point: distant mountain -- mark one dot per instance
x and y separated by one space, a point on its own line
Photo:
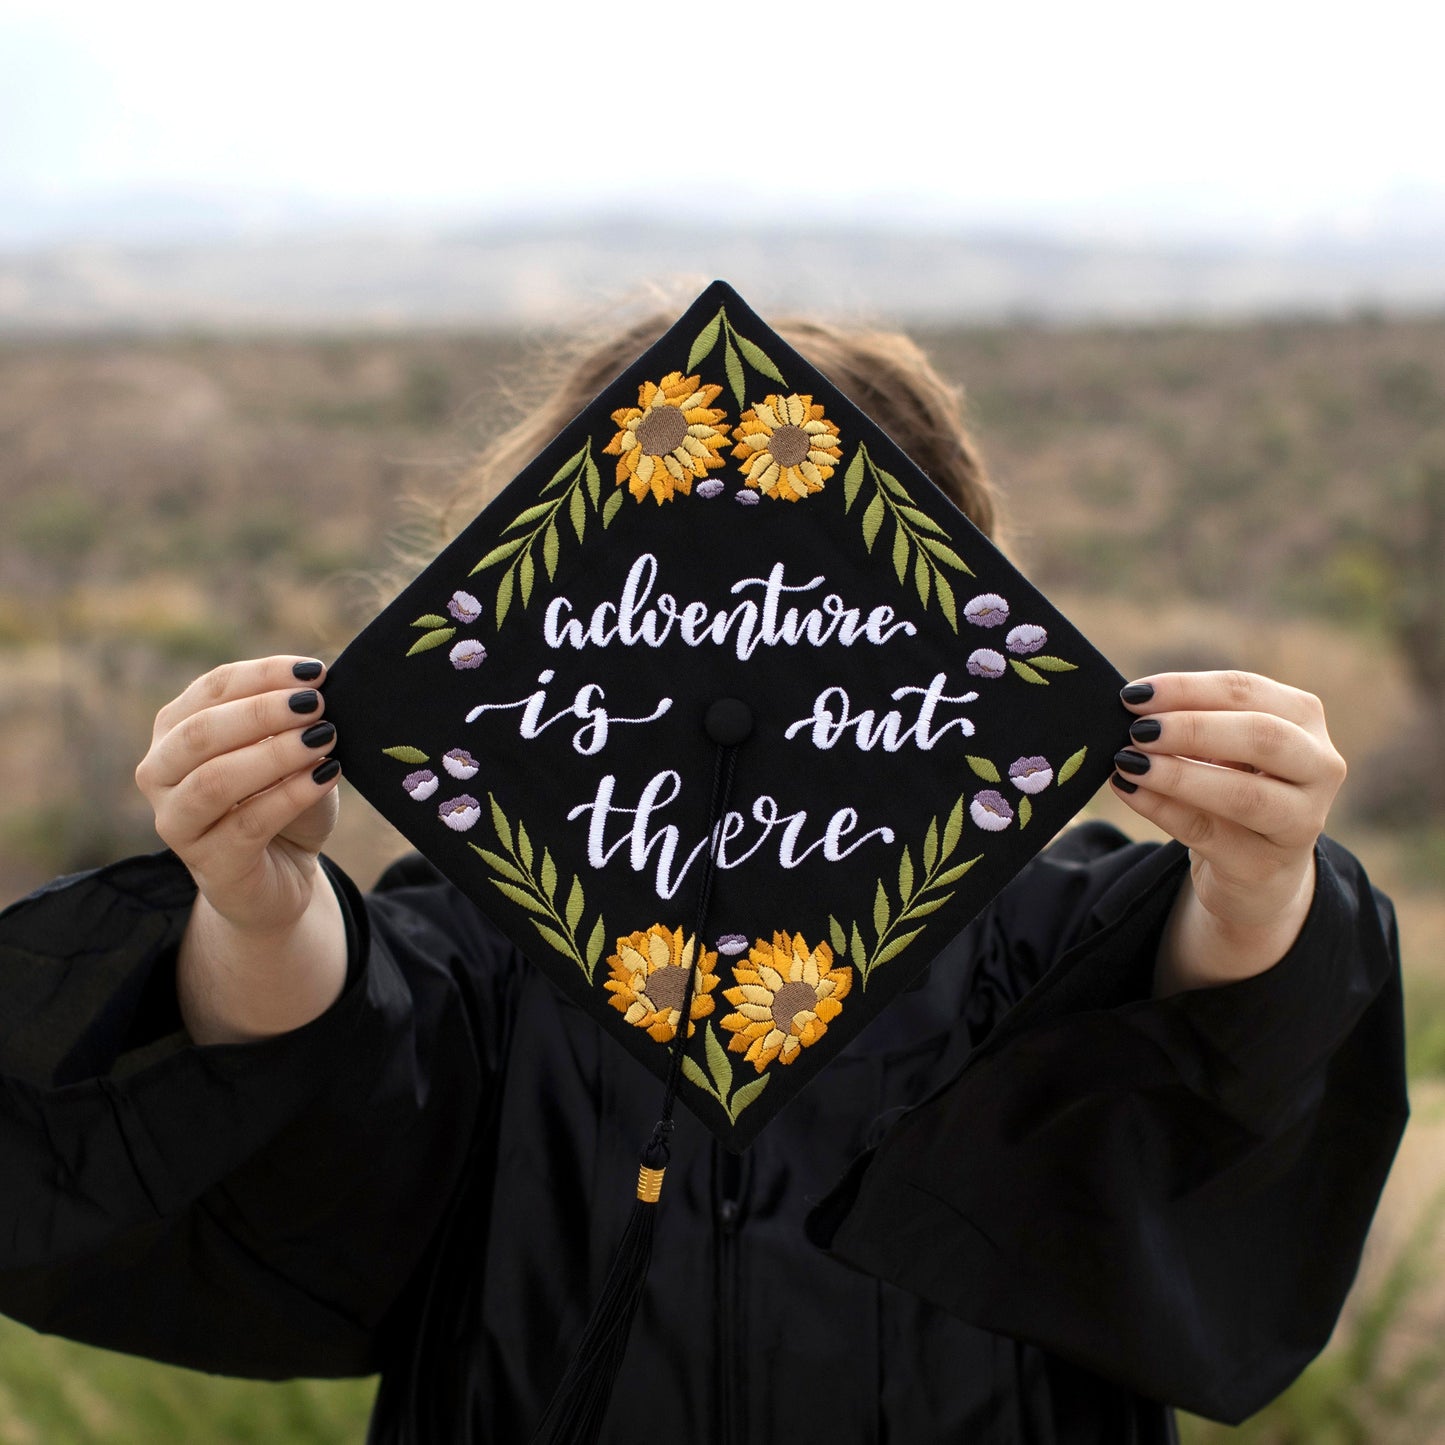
342 276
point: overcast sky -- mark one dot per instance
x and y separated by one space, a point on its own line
1253 119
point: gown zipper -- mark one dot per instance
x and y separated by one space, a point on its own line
731 1413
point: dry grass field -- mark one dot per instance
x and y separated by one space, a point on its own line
1192 496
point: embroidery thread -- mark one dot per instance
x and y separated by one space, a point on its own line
786 996
649 976
786 447
733 343
669 440
718 1082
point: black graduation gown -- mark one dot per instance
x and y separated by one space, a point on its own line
1028 1204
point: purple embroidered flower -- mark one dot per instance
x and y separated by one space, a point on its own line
1027 637
988 609
464 607
461 764
421 784
732 944
747 497
467 654
1030 775
991 811
710 488
985 662
461 813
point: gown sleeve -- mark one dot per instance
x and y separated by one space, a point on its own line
250 1209
1173 1193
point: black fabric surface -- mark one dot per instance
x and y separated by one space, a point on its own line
1064 1206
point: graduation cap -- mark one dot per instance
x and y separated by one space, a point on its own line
731 721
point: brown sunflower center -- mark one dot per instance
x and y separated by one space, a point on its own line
662 429
666 987
792 999
788 445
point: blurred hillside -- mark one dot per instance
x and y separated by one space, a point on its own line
1260 495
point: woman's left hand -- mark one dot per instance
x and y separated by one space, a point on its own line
1240 769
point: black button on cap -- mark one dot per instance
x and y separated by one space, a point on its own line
729 721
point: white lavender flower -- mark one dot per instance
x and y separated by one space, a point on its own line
421 784
747 497
988 609
461 813
461 764
464 607
985 662
1030 775
1026 638
991 811
710 488
732 944
467 654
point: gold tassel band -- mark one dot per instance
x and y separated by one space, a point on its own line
649 1184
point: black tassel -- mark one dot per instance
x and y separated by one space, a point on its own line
579 1405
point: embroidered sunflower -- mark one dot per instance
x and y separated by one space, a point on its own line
669 439
649 974
787 995
786 447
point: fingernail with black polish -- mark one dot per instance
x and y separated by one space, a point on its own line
1146 730
1131 762
1123 784
319 734
306 671
326 771
1137 692
306 701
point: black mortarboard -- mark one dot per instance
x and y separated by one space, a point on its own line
722 679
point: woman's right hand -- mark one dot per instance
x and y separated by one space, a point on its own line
244 794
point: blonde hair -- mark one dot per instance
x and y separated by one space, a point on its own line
883 372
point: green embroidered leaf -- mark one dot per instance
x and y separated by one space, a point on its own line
717 1063
929 905
406 755
575 903
758 359
501 865
519 896
530 515
896 947
430 619
549 875
838 937
892 483
614 505
1027 673
690 1068
946 554
880 911
945 599
595 944
704 342
945 880
564 471
1026 811
1053 664
900 550
498 553
429 640
594 482
930 846
524 847
922 578
953 829
556 940
551 545
577 511
905 876
745 1096
499 822
525 573
1071 765
873 519
853 480
504 593
734 369
922 519
860 954
984 769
